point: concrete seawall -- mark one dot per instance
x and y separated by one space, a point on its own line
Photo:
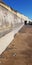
10 24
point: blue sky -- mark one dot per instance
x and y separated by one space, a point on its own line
23 6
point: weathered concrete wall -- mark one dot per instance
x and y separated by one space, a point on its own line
10 24
5 17
8 19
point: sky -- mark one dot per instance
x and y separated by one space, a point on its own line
22 6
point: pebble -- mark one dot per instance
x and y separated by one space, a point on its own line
14 54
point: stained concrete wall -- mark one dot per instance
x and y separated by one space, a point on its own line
9 22
8 19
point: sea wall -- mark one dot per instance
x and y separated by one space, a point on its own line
10 24
8 20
